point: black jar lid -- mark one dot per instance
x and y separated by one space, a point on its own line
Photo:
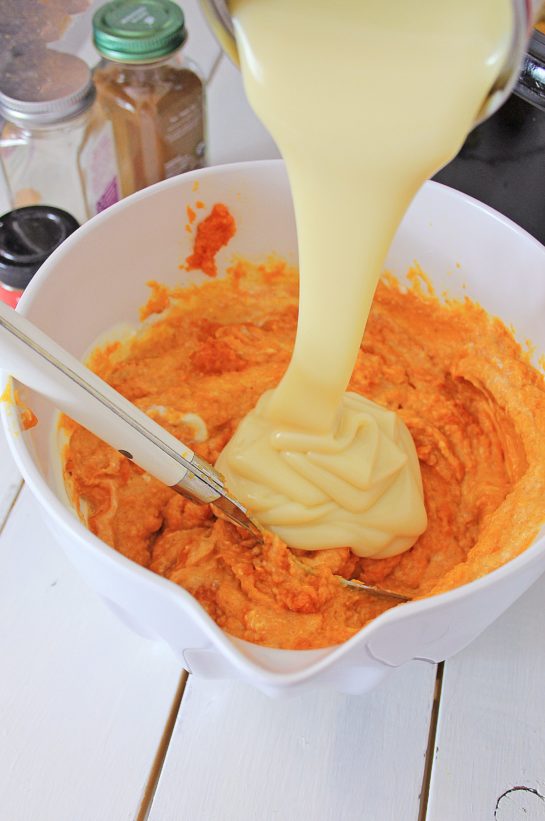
27 237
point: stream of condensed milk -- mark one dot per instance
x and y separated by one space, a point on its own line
366 99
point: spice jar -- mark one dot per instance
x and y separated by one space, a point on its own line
153 96
27 237
56 146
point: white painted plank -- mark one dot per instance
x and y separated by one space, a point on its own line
490 753
83 701
10 479
235 755
235 133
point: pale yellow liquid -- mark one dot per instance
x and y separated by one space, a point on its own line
366 100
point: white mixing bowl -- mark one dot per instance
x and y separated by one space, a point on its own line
96 280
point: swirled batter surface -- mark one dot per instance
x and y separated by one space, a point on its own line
472 402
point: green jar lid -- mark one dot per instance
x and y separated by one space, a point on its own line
137 31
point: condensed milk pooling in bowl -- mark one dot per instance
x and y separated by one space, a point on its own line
319 466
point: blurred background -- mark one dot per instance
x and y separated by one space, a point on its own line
502 162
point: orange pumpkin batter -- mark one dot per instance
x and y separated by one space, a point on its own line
213 232
473 403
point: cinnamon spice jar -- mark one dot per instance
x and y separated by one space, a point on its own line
151 93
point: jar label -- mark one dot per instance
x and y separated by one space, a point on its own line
181 124
99 166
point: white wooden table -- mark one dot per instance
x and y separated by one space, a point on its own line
97 724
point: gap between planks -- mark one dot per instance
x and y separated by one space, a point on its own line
162 749
16 493
432 739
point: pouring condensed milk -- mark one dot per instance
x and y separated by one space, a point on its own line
316 465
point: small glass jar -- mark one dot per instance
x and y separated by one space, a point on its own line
58 150
27 237
152 95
